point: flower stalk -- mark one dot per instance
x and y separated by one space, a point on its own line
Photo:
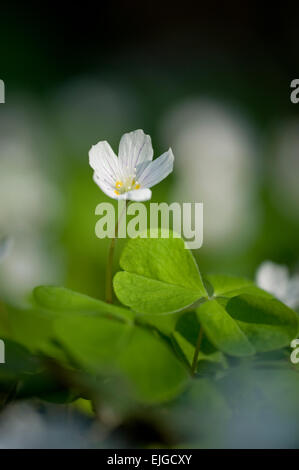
109 268
196 352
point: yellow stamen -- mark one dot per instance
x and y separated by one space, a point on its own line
127 185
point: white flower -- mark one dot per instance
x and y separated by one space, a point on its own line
131 174
275 279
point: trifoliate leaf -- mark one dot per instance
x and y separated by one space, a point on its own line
160 276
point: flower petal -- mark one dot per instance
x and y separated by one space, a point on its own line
152 173
107 188
139 195
104 162
136 195
134 148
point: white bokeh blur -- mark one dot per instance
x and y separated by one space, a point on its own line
215 163
276 279
30 203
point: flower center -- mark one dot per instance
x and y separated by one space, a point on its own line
127 184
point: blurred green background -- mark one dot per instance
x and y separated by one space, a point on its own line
212 82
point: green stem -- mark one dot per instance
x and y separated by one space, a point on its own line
109 269
196 352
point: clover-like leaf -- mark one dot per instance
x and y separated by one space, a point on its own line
152 367
30 327
268 323
160 276
246 324
92 341
60 299
102 345
222 330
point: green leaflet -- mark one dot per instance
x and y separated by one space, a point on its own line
267 322
222 330
30 327
149 296
102 345
246 324
160 276
61 299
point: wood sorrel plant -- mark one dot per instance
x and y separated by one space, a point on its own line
173 322
127 177
234 314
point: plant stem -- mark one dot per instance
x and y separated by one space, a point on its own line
196 352
109 269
